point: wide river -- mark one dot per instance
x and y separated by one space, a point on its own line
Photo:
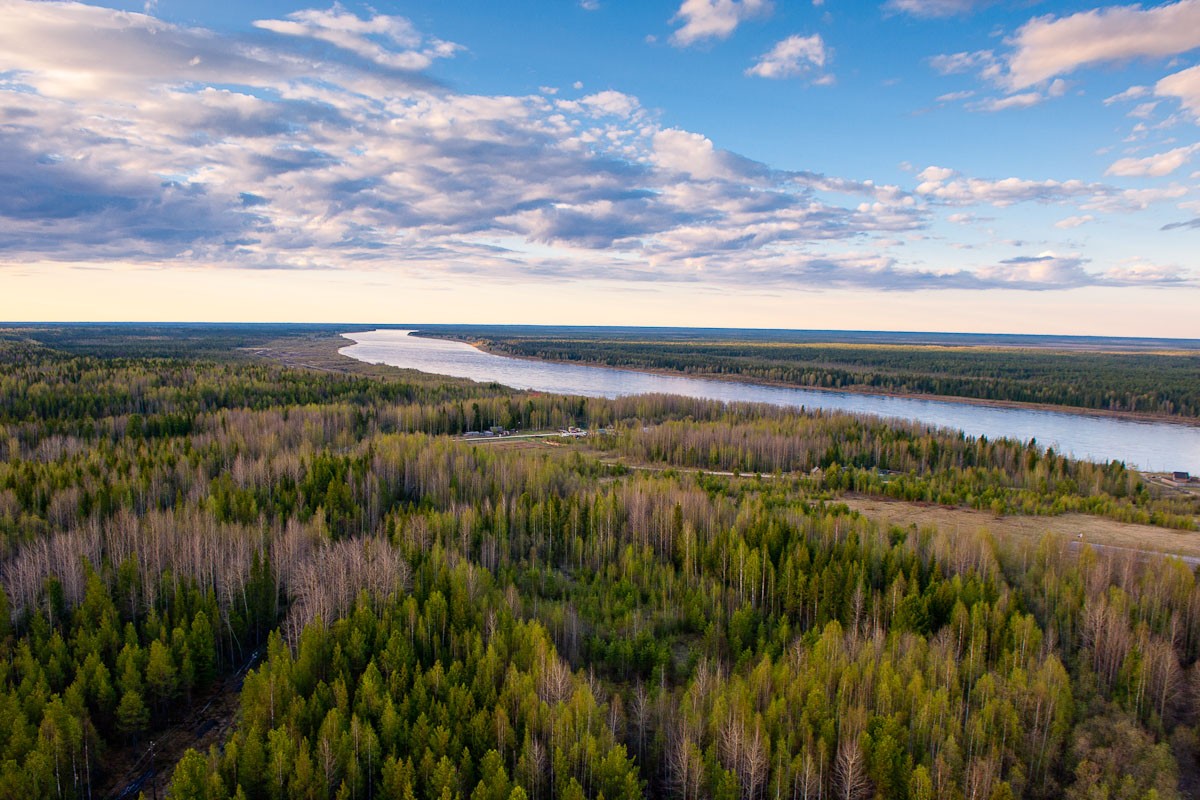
1155 446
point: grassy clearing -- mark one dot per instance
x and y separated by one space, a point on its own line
1095 530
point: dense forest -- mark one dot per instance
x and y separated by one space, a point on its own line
1164 381
681 607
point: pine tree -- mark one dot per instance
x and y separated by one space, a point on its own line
132 715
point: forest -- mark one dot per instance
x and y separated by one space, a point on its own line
1158 378
683 607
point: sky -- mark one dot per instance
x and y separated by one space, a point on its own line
934 165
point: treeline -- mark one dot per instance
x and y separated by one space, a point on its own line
444 619
161 433
1155 383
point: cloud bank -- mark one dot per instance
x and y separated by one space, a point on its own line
320 142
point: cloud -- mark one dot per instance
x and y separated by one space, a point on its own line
1043 271
1154 166
1109 200
601 104
934 8
1185 86
791 57
1174 226
936 174
1143 110
681 151
954 97
1022 100
714 19
1132 93
310 144
1049 46
385 40
963 219
1139 272
82 211
938 186
1047 271
1074 222
265 153
1056 88
956 63
947 187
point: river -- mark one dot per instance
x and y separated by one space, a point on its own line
1148 445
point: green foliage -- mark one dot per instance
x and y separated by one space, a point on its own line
434 618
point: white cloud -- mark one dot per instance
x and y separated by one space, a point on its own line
1143 110
1074 222
1132 93
680 151
955 63
1141 272
385 40
933 174
610 102
1022 100
1154 166
934 8
954 97
1050 270
947 187
714 19
1185 86
1049 46
1111 201
795 55
1045 270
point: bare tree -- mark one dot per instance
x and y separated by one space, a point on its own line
684 765
850 770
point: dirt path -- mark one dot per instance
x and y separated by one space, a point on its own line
146 768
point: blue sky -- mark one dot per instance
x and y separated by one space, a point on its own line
905 164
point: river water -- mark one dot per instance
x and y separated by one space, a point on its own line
1156 446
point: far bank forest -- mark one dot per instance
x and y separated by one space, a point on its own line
1160 378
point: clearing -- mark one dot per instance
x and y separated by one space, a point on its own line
1097 531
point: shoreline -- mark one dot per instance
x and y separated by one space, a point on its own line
1132 416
